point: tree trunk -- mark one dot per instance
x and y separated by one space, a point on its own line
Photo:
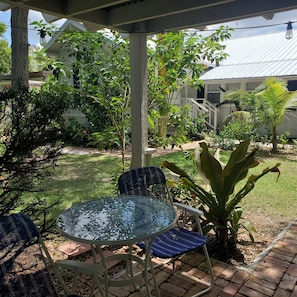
274 140
162 126
19 46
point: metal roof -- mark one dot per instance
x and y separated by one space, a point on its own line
152 16
257 57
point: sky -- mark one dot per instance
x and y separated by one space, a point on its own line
32 33
259 25
243 28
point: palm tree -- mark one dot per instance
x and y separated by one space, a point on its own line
267 103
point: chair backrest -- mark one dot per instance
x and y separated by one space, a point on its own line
22 268
145 181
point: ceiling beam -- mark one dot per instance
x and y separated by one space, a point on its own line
218 14
152 16
64 7
75 7
145 10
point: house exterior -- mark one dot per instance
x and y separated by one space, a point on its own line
251 60
55 50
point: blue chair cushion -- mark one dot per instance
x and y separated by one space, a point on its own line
175 242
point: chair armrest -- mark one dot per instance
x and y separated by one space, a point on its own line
189 209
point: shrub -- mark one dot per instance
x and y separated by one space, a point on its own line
30 128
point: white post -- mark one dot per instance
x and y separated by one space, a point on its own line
139 114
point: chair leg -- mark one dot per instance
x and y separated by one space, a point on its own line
154 278
210 272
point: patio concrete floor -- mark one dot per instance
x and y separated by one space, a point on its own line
273 273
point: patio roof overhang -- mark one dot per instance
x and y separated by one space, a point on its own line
153 16
140 18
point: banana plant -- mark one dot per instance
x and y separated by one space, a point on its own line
221 203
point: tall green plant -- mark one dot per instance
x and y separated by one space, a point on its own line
102 65
220 204
5 51
175 60
267 103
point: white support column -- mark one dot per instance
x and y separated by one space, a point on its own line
138 82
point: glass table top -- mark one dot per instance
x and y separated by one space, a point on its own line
115 220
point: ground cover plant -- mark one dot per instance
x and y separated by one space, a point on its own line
269 207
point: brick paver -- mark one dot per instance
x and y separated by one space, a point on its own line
274 276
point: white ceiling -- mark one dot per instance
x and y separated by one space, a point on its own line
153 16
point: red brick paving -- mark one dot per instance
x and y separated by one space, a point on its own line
275 275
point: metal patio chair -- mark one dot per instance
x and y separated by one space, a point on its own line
24 259
150 181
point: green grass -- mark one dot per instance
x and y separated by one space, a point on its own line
274 198
79 178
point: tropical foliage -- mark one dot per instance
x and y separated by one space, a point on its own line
101 66
101 73
267 103
176 60
238 125
221 204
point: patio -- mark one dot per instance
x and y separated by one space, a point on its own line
273 273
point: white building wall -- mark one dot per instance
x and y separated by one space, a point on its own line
289 124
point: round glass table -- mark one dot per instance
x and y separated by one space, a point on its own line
121 220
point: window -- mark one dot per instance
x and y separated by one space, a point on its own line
250 86
292 85
214 93
200 92
232 86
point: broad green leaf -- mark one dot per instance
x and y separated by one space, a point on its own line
212 170
172 167
236 173
238 154
249 228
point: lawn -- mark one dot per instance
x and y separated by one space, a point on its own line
78 178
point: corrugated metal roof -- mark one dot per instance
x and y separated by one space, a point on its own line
257 56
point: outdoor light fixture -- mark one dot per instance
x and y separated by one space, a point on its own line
289 33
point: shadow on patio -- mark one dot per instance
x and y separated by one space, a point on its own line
273 273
